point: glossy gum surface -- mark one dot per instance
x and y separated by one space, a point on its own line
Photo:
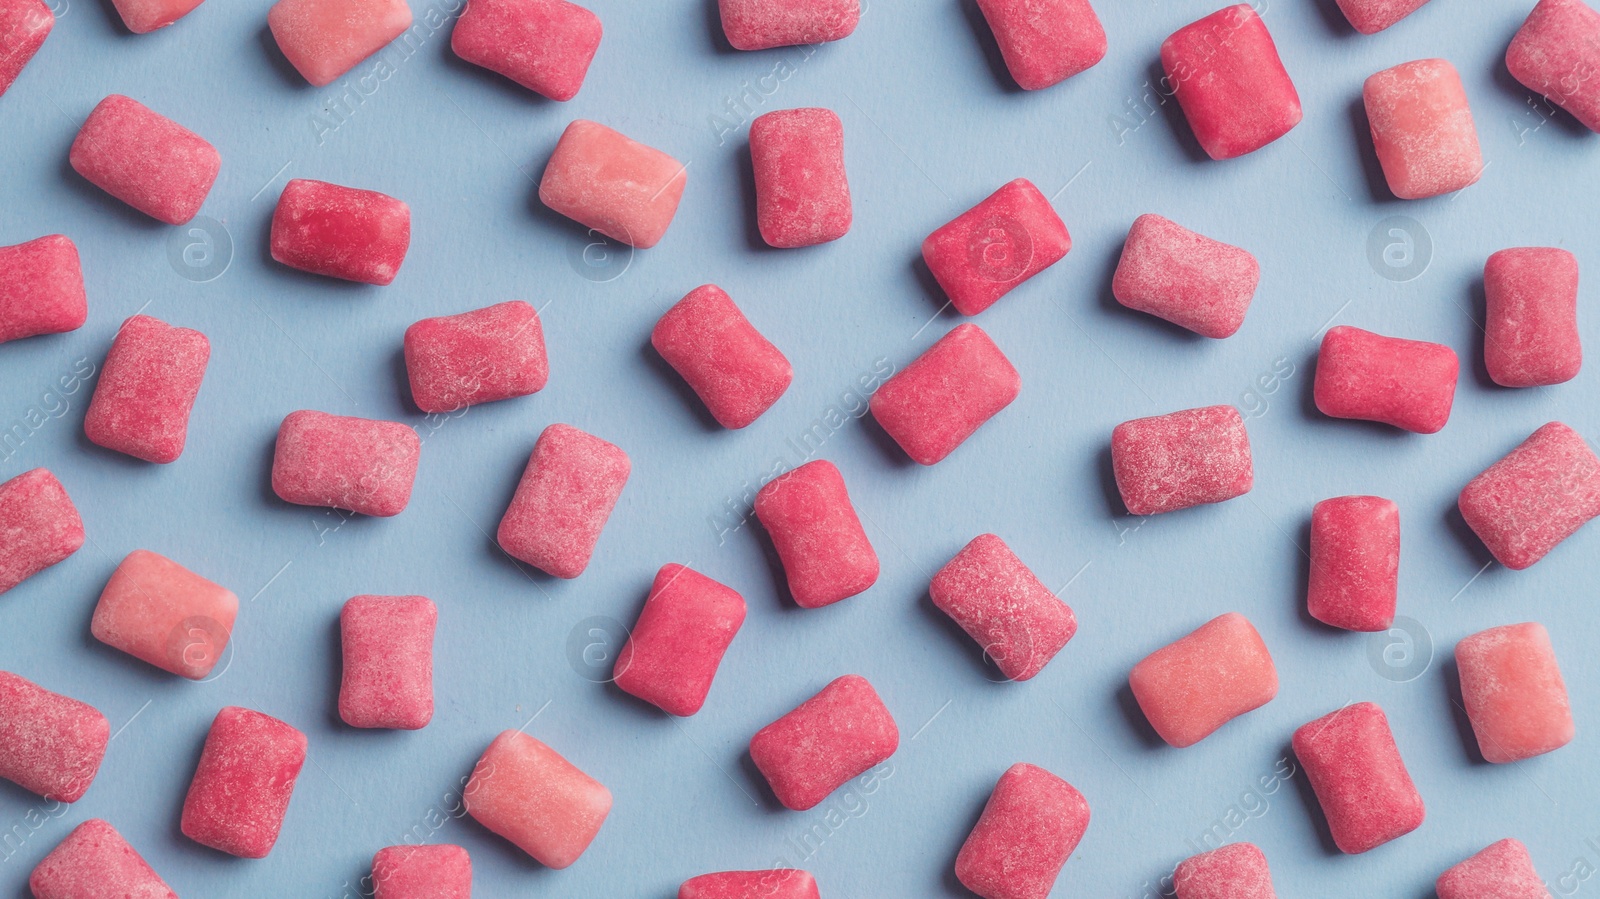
1189 688
526 792
163 614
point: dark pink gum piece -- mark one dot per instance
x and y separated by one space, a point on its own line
50 744
1537 496
671 657
24 24
1350 757
1000 603
1531 329
1045 43
1189 688
242 785
1029 828
1235 871
734 370
1422 129
1556 53
439 871
388 661
841 732
1513 691
145 16
340 232
544 45
1225 71
1503 870
571 484
1409 384
934 404
40 523
1188 279
365 466
778 883
1373 16
1181 459
483 356
145 159
1355 563
996 245
825 552
94 860
165 615
611 183
802 195
323 39
764 24
146 390
41 288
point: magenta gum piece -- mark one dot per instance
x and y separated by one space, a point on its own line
1350 757
242 785
764 24
544 45
735 371
324 39
815 749
482 356
1045 43
438 871
1018 621
1410 384
95 861
802 195
388 661
1556 53
1182 459
613 184
824 550
340 462
1422 129
1189 688
145 159
24 24
39 526
50 744
1531 329
1029 828
41 288
1503 870
146 389
165 615
1225 71
568 489
1373 16
1535 497
983 253
672 655
1235 871
944 396
526 792
1188 279
1355 563
340 232
1513 692
144 16
778 883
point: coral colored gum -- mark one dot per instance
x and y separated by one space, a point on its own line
1373 16
144 16
1195 685
145 159
94 860
24 25
1556 53
1530 336
165 615
778 883
1422 129
526 792
1234 871
1513 691
1503 870
1188 279
568 489
323 39
613 184
422 872
39 526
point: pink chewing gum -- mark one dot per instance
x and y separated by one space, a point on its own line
825 741
778 883
1188 279
1530 337
1181 459
324 39
1189 688
482 356
1029 828
1373 16
41 288
24 24
934 404
422 872
340 232
145 16
526 792
764 24
340 462
565 497
94 860
1355 563
1225 71
1422 129
613 184
544 45
50 744
145 159
241 787
146 389
1350 757
1045 43
825 552
672 655
1503 870
802 195
1556 53
1513 692
1235 871
1018 621
1535 497
1409 384
735 371
39 526
165 615
388 661
980 255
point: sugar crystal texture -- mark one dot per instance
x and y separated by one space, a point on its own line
1502 870
147 388
802 195
1537 496
613 184
1354 766
841 732
1000 603
1189 688
934 404
163 614
50 744
526 792
1355 562
388 661
340 232
778 883
1422 129
341 462
39 526
734 370
1188 279
482 356
980 255
1045 42
764 24
1181 459
1373 16
1513 691
242 785
1225 71
544 45
410 871
41 288
1530 334
1029 828
825 552
1234 871
24 24
145 159
323 39
1556 53
1410 384
672 654
94 861
144 16
566 494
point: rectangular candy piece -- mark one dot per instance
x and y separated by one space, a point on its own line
1556 53
1410 384
94 860
24 24
934 404
323 39
41 288
1181 459
1225 71
1186 278
482 356
1019 622
802 195
340 232
526 792
1373 16
1355 769
1530 336
1513 691
672 654
166 615
39 526
565 497
1045 42
613 184
544 45
242 785
1355 563
1029 828
825 741
779 883
1189 688
1503 870
1235 871
340 462
146 389
1422 129
145 159
1535 497
764 24
145 16
825 552
49 744
422 872
734 370
388 661
996 245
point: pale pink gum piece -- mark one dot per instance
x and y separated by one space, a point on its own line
526 792
613 184
981 254
1169 462
802 195
340 462
764 24
1350 757
544 45
1355 563
1373 16
1556 53
1409 384
1225 71
1503 870
340 232
934 404
388 661
439 871
39 526
1045 42
144 16
163 614
24 24
324 39
841 732
1018 621
1188 279
1513 692
145 159
1029 828
1530 336
242 785
1422 129
50 744
1235 871
1189 688
1535 497
825 552
482 356
95 861
568 489
672 655
734 370
146 389
41 288
778 883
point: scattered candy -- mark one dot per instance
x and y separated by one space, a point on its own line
1018 621
526 792
1225 71
49 744
1556 53
613 184
422 872
482 356
145 16
340 232
1190 688
39 526
1355 562
341 462
566 494
1186 278
1373 16
388 661
145 159
1531 330
764 24
1513 692
1410 384
802 196
1235 871
779 883
943 397
1355 770
94 860
41 288
166 615
24 24
672 655
146 389
1182 459
1422 128
1535 497
544 45
996 245
1504 870
830 738
825 553
324 39
1045 43
241 787
1029 828
735 371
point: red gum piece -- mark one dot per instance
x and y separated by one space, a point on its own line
145 16
1503 870
39 526
1355 563
50 744
24 24
1235 871
94 860
764 24
544 45
571 484
1531 333
802 195
779 883
41 288
526 792
323 39
1225 71
830 738
612 184
365 466
1045 43
1513 691
1373 16
672 655
735 371
142 401
1422 129
996 245
242 785
145 159
1188 279
1189 688
340 232
1410 384
1535 497
437 871
946 394
482 356
388 661
1556 53
825 553
1355 769
1029 828
165 615
1017 620
1182 459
